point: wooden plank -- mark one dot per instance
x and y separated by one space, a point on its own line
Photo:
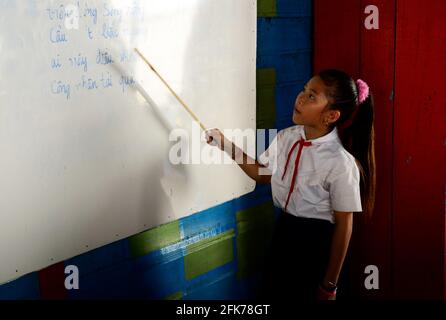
336 35
373 236
420 151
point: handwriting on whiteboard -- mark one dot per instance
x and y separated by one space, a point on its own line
97 25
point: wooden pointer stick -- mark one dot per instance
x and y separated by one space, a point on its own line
171 90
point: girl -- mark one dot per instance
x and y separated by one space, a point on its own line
321 171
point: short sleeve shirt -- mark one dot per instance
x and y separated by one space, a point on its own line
328 176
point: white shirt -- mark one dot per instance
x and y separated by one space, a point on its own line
327 179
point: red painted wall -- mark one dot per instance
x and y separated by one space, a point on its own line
403 65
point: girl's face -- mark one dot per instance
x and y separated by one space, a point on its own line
310 108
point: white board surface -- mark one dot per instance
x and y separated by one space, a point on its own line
84 158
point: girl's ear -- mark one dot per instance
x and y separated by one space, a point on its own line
332 116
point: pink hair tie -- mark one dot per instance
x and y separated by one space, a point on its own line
363 90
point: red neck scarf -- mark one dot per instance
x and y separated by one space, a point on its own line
302 143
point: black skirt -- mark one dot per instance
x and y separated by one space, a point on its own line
297 259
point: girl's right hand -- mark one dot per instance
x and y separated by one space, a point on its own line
215 137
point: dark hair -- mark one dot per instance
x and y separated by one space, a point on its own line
355 126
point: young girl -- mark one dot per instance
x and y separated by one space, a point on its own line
321 171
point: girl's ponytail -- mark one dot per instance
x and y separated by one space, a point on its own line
355 126
359 139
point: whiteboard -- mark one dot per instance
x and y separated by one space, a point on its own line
85 124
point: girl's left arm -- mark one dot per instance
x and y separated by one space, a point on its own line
339 246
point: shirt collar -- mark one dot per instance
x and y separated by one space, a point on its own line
332 136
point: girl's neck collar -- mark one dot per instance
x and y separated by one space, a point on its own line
313 134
